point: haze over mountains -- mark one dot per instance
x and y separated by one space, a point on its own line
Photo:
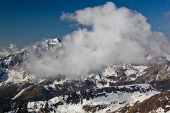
113 46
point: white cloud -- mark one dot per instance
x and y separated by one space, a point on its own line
9 50
117 34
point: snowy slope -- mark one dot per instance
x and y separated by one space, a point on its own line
100 100
158 103
129 69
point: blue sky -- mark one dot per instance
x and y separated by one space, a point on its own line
26 21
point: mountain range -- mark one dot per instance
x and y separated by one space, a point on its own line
119 87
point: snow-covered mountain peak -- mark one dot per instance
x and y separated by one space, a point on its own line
12 67
46 44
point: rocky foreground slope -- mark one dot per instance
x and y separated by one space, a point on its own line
159 103
119 87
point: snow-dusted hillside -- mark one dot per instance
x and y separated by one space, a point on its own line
158 103
101 100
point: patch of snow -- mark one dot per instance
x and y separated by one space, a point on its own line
13 111
167 106
167 98
160 110
35 106
54 83
18 94
41 80
168 68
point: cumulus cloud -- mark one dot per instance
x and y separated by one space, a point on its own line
9 50
115 34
